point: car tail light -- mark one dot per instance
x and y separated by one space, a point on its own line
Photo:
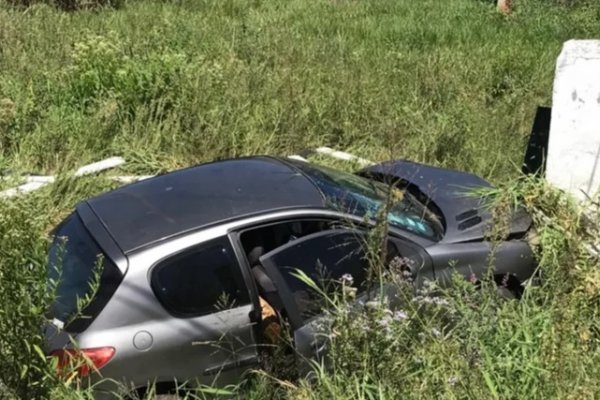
82 362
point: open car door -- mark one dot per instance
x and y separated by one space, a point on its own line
324 257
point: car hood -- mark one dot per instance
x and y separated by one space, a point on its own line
448 193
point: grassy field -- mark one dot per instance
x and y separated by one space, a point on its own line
172 83
167 84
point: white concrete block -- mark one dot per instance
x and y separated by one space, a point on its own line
131 178
40 178
100 166
297 158
24 188
342 155
573 162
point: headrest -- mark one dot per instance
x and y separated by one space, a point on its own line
255 254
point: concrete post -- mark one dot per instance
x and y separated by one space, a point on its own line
573 162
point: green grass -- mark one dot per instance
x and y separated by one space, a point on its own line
172 83
167 84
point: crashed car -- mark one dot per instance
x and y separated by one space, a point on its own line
188 258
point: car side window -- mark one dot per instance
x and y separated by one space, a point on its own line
201 281
326 258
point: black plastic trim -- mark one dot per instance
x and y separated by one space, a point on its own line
100 234
466 215
110 278
469 223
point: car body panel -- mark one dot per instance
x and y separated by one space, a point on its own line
466 215
181 348
421 266
311 339
295 255
337 252
474 260
211 349
158 208
102 236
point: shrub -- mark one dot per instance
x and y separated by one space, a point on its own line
23 296
102 70
469 342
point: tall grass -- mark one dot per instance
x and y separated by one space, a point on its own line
167 84
469 342
172 83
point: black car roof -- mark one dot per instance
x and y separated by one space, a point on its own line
145 212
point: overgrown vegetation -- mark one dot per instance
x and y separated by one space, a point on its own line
167 84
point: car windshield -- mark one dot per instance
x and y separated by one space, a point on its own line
365 197
75 263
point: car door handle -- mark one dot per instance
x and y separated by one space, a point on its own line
246 362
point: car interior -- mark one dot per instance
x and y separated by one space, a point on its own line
260 241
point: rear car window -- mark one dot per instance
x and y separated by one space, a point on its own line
204 280
76 267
